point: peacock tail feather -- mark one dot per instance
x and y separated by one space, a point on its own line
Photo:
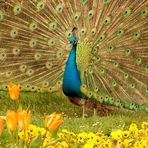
111 54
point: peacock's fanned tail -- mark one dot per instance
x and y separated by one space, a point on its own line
112 51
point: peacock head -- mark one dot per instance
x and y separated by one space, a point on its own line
73 40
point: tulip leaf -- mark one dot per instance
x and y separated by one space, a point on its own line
36 142
21 143
52 142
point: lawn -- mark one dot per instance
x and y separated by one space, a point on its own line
42 104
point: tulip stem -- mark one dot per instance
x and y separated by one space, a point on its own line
12 135
25 137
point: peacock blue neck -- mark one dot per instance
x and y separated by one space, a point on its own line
72 82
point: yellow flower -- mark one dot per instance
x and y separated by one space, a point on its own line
11 120
127 142
61 145
133 129
1 125
136 144
23 119
144 125
21 134
117 135
61 135
142 132
107 144
99 140
82 137
53 121
119 142
126 134
146 131
51 147
142 143
65 131
91 135
133 126
89 145
14 91
32 130
100 134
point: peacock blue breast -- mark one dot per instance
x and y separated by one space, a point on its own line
72 82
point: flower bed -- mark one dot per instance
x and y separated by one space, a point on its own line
23 134
133 138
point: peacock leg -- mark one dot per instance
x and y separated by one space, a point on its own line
83 114
95 111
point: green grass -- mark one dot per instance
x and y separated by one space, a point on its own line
43 104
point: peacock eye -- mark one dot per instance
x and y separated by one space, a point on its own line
84 86
30 72
102 71
45 84
101 37
16 51
132 85
37 56
68 34
105 1
51 42
8 74
84 1
83 32
114 83
53 26
28 86
91 13
76 17
126 75
17 9
59 8
127 12
116 64
139 61
144 12
33 43
111 48
120 32
40 6
101 97
107 21
33 26
13 33
136 35
93 32
106 97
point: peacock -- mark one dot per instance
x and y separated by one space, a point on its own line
93 50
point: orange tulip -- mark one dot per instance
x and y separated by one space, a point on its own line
23 119
11 120
1 125
14 91
53 121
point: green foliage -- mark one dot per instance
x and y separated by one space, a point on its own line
36 142
42 104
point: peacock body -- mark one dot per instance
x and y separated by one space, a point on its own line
107 61
72 82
